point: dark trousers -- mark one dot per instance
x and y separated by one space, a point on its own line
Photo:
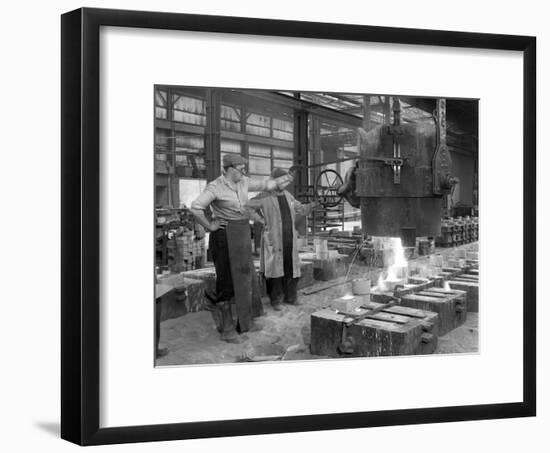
282 289
247 298
220 255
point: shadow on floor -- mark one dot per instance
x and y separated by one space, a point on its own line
52 428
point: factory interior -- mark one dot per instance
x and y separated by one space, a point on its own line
388 253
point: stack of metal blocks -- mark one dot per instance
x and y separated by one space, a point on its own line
186 252
376 326
458 231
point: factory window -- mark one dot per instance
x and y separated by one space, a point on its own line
189 110
282 163
283 153
257 124
189 143
259 166
259 160
231 146
188 166
162 143
283 157
161 107
267 126
283 129
230 118
189 155
263 158
259 150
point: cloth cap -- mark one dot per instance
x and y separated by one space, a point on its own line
278 172
230 160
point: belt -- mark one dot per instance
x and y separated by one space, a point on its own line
239 222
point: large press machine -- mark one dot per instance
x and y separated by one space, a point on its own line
400 178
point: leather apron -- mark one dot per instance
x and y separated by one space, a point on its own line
243 274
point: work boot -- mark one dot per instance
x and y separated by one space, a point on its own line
277 302
229 333
214 309
290 289
253 327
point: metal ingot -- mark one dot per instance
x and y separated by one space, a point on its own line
347 304
360 286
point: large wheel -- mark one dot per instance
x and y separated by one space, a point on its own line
326 188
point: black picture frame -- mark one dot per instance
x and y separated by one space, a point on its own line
80 189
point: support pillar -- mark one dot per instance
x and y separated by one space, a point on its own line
212 139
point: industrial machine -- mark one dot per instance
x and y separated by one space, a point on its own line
403 172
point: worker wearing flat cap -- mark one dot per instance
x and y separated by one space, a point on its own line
279 261
229 243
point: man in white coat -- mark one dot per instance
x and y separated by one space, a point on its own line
279 260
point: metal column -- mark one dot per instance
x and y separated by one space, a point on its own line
212 140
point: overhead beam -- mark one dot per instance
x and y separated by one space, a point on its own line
344 98
459 112
311 107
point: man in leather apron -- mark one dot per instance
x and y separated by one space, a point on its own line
229 242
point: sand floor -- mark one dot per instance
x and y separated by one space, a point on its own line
193 338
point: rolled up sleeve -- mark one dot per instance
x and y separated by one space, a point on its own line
300 208
256 185
202 202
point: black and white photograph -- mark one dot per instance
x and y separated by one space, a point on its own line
297 225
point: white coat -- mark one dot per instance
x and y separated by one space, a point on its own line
271 254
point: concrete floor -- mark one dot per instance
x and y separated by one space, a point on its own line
193 339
